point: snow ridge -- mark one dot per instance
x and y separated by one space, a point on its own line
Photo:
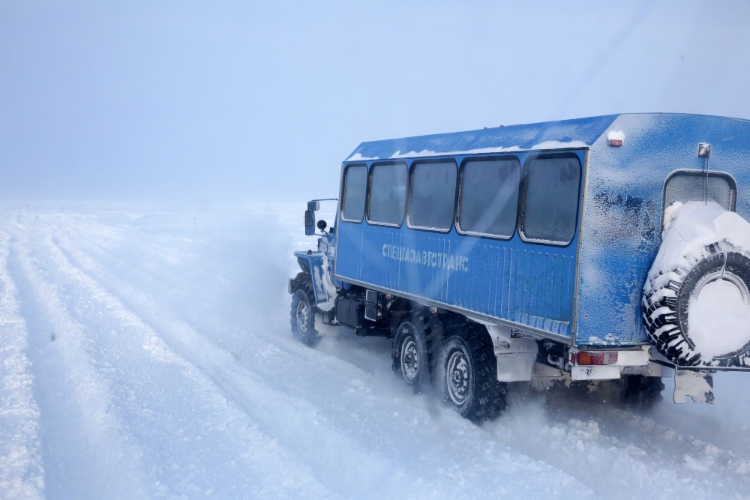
21 470
173 373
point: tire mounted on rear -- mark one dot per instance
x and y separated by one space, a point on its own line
667 297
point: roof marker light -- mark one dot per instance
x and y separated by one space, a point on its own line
615 138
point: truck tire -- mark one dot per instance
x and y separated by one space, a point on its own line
469 374
303 311
412 353
667 300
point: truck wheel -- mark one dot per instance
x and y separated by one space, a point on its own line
303 313
637 391
719 276
411 353
469 374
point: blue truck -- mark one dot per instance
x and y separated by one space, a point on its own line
592 249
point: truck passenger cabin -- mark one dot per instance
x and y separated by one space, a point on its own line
553 251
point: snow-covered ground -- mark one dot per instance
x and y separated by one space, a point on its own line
148 354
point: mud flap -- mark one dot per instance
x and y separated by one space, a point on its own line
698 385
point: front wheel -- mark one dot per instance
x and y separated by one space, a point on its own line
469 375
303 317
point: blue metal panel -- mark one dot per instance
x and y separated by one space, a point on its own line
584 131
534 285
622 219
528 284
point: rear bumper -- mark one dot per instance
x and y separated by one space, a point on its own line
601 364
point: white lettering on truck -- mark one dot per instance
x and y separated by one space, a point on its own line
425 258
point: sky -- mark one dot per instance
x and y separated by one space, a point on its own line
241 101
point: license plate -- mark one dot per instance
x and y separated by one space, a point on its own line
595 372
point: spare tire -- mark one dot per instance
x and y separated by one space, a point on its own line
696 301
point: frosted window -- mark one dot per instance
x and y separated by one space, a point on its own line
688 185
551 199
387 194
355 188
489 197
433 195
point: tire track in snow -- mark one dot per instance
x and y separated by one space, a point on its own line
158 276
223 263
320 429
619 453
21 469
155 264
132 359
615 462
154 271
247 389
84 452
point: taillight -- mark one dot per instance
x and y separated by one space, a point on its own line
594 358
615 138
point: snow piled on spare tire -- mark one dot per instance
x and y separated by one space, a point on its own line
695 301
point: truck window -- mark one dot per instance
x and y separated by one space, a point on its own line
433 195
488 198
355 188
689 185
550 206
387 194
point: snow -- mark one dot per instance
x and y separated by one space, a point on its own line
694 225
427 152
21 472
717 334
496 149
688 229
148 354
615 135
359 157
499 149
560 145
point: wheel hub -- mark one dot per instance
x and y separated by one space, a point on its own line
409 359
457 374
303 317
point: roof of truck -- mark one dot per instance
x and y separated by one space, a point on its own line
576 133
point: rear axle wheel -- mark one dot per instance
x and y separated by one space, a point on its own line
469 374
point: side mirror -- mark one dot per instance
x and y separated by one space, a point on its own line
313 206
322 225
309 223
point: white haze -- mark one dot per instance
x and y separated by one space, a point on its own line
224 102
155 158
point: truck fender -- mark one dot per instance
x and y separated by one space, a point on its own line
316 263
515 356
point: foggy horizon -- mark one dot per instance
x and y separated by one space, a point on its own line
231 102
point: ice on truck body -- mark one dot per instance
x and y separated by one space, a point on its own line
560 245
